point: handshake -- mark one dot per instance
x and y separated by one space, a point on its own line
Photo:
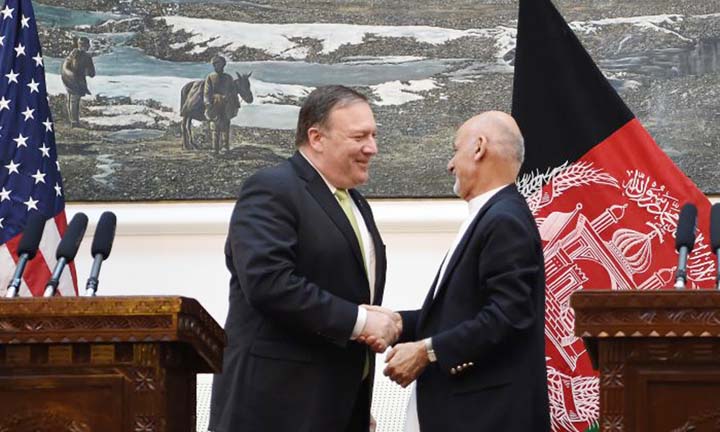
382 328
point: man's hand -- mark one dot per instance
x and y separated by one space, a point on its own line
405 362
397 319
381 329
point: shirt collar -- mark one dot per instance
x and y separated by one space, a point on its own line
332 188
475 204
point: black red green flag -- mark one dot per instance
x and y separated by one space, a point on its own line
605 196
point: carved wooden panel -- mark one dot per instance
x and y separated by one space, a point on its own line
60 354
146 393
612 394
34 420
612 423
674 399
103 364
647 314
112 320
658 355
60 403
657 385
144 380
706 421
146 423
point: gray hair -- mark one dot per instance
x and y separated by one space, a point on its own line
518 147
511 143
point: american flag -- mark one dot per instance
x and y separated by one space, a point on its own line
29 171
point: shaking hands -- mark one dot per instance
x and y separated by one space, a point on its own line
382 328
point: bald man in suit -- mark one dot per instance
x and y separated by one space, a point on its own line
476 347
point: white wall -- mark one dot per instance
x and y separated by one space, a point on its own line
177 248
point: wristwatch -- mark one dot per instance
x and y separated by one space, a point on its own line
430 351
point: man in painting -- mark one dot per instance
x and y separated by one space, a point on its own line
305 259
78 65
221 103
476 347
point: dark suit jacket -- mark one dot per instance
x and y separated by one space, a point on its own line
296 279
486 324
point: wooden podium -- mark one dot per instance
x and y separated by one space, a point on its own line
104 363
658 354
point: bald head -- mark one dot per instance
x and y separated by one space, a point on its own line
502 132
489 151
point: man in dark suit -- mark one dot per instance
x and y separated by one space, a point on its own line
303 252
477 345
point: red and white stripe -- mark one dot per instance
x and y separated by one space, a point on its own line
37 272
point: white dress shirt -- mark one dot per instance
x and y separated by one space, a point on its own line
412 424
368 248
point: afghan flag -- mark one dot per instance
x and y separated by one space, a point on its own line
605 197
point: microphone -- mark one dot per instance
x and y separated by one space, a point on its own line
715 237
26 250
101 246
66 251
685 241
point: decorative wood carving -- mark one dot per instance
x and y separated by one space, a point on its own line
658 354
612 376
17 324
694 422
42 421
145 423
112 364
647 314
111 320
612 424
144 380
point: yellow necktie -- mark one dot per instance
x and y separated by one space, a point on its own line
344 199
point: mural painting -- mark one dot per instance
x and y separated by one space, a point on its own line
175 100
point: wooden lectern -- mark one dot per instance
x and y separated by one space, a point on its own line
658 354
103 363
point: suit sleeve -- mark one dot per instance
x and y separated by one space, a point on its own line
409 326
263 239
509 267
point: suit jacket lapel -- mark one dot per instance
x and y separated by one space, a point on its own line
455 258
320 191
427 304
377 242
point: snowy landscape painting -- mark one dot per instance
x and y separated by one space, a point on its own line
426 66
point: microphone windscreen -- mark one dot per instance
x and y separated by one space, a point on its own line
715 227
32 234
685 234
104 235
74 233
